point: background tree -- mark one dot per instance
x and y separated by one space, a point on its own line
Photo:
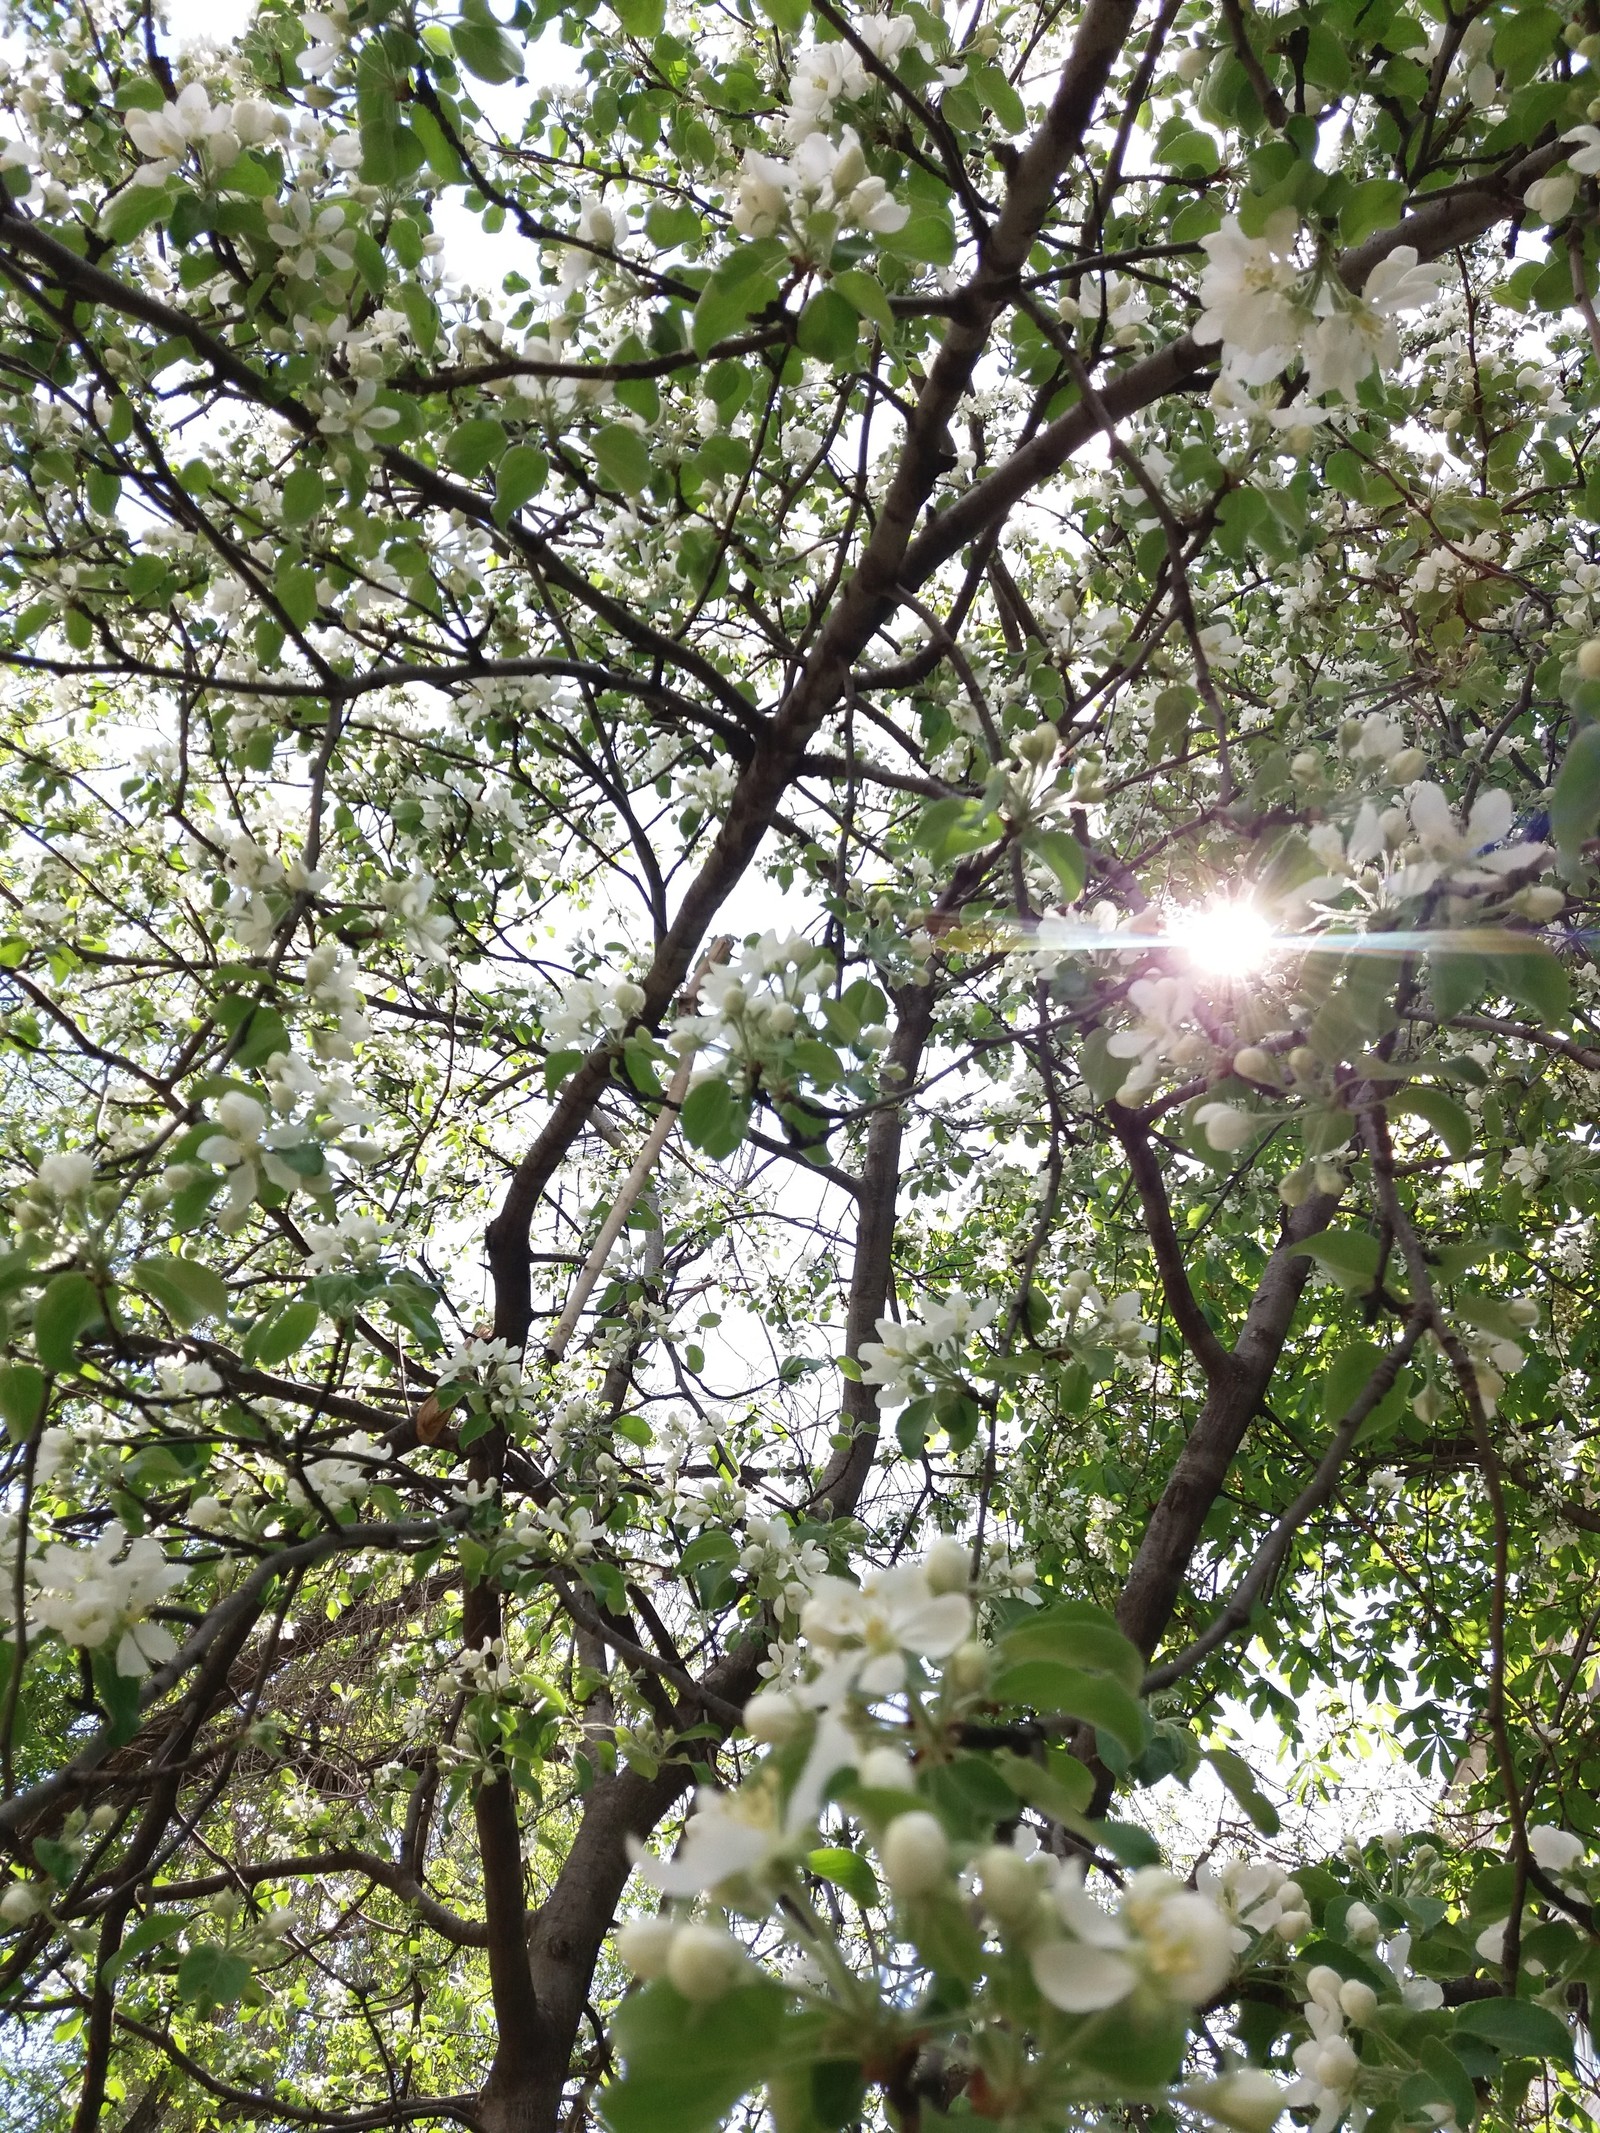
820 938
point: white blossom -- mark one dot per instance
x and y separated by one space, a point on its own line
909 1352
342 1474
66 1176
92 1595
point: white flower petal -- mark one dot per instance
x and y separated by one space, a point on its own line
1079 1979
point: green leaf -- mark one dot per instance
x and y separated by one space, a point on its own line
1190 150
304 494
519 477
483 48
685 2067
22 1400
1059 1786
296 587
1076 1633
829 328
1521 45
1538 980
1371 204
118 1693
1451 2077
712 1119
623 457
1046 1685
133 210
1063 855
211 1976
942 1931
744 283
274 1339
865 295
913 1426
1575 798
928 237
640 18
1450 1120
712 1546
1170 717
475 446
1240 1780
788 15
946 829
256 1029
370 263
185 1290
147 1934
1516 2028
847 1870
69 1306
1350 1256
441 157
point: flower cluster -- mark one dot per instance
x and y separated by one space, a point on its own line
250 1149
1267 308
821 179
1161 1036
340 1476
102 1594
1327 2063
1407 850
218 132
1116 1322
1162 1940
491 1368
590 1007
912 1356
755 1008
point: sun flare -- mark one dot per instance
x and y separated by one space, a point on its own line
1223 937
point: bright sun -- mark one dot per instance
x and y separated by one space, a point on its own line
1227 939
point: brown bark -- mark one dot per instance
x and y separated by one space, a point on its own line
1153 1584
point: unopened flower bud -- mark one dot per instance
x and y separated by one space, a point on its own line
886 1769
915 1852
1249 2099
643 1945
1253 1063
1039 747
1007 1885
22 1901
850 168
1589 659
967 1667
1322 1985
1358 2000
704 1963
1306 767
1408 764
948 1565
1538 901
773 1718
